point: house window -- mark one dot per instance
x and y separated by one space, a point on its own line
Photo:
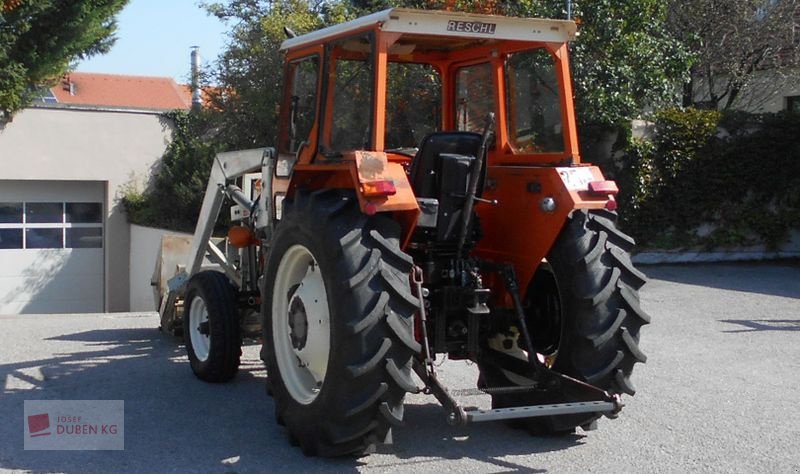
83 212
10 239
36 238
793 104
10 213
83 237
51 225
44 212
11 218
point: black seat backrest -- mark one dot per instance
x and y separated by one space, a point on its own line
425 166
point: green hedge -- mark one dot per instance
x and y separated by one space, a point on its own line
173 198
713 180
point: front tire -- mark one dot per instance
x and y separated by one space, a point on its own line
211 327
583 313
338 314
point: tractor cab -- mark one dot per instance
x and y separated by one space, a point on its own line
395 105
386 81
410 92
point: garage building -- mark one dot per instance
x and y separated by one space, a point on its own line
64 162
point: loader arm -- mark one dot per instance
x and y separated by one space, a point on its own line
225 168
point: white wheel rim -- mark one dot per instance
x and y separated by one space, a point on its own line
201 343
301 324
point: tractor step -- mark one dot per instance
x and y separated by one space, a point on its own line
474 416
458 416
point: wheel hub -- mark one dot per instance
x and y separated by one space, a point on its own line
298 323
203 328
199 331
544 315
308 323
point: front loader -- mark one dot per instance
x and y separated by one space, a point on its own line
425 199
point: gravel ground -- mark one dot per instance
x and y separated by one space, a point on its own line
715 396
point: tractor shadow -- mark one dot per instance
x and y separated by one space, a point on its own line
427 436
759 325
175 422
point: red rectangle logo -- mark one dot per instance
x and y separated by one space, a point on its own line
37 423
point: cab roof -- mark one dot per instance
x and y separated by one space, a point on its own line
446 24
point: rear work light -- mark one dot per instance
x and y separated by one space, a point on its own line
607 189
603 188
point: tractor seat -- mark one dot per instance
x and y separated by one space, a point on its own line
426 166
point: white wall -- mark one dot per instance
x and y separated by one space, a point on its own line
765 93
769 91
89 145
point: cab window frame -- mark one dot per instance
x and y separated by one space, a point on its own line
287 156
327 112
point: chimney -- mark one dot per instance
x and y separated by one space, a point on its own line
197 99
68 85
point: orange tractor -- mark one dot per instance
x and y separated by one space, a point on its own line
425 198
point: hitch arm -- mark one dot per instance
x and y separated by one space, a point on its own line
541 370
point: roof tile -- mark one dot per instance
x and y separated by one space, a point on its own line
112 90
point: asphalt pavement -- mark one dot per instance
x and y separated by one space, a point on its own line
719 393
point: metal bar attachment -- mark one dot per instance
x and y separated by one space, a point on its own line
474 416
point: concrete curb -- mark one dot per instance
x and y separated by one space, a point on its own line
788 250
666 257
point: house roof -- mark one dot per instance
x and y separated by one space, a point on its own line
113 90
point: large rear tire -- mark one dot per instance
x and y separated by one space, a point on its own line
338 331
211 327
582 310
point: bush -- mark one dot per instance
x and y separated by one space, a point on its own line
175 195
713 180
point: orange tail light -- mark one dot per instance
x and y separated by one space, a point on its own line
379 188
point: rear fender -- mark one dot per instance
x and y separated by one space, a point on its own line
381 186
522 228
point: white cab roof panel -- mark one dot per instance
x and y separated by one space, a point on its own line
448 24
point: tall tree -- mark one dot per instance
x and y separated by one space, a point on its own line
249 73
40 38
624 60
733 41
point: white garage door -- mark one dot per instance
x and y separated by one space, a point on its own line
51 246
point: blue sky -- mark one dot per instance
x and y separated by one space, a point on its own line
154 38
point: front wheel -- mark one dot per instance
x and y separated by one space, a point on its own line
582 310
337 324
211 327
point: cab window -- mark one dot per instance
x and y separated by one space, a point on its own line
352 73
414 95
304 74
475 97
533 103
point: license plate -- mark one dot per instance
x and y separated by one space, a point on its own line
576 179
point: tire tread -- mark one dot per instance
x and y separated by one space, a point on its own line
374 307
226 344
